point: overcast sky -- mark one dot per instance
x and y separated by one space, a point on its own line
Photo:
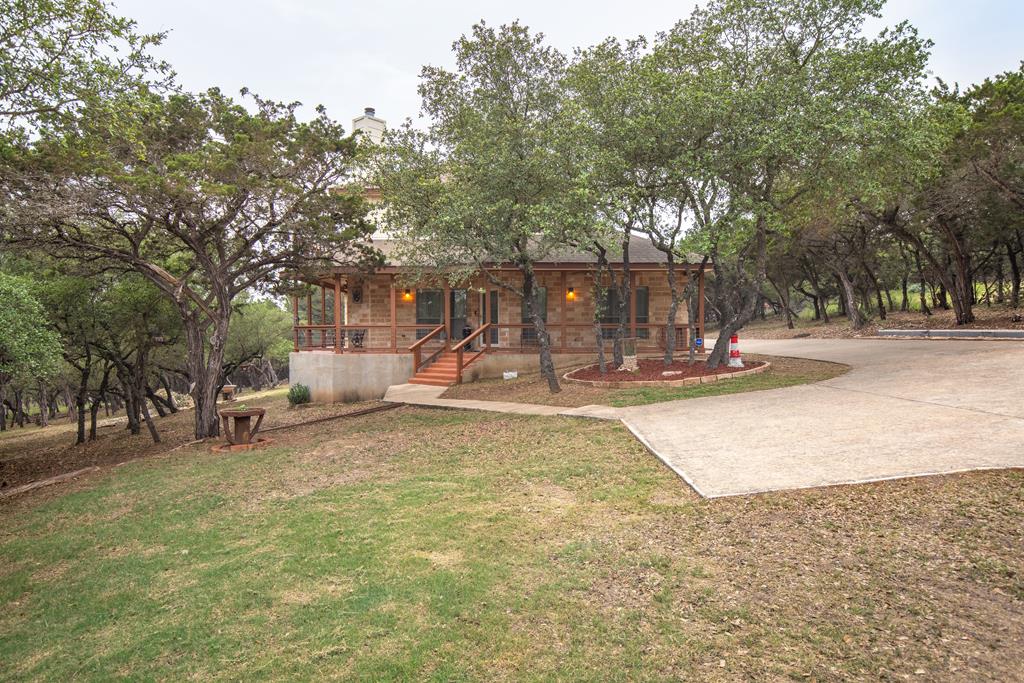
349 55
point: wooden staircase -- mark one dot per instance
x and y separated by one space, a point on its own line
448 363
443 372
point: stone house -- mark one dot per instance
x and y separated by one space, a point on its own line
356 334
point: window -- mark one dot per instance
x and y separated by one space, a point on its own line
611 312
529 334
429 310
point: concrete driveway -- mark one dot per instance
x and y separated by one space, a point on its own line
906 409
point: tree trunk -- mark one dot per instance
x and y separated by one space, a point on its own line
204 364
849 299
1014 275
149 420
923 283
673 309
547 364
720 353
169 402
44 406
692 293
132 408
600 295
842 297
83 392
625 292
812 276
1000 280
80 406
878 291
783 293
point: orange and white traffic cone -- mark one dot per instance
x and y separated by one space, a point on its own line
735 361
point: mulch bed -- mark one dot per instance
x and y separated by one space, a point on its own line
653 369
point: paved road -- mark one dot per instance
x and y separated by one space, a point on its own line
907 408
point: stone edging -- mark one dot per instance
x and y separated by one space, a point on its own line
686 381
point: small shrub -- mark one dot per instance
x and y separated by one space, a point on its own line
298 394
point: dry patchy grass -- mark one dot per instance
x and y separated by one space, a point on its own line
33 453
420 544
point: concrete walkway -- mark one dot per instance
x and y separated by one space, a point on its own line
425 395
907 408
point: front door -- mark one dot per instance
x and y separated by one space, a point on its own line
459 298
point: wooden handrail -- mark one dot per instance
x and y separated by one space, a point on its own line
427 337
417 347
476 333
461 347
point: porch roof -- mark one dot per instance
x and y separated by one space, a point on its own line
642 255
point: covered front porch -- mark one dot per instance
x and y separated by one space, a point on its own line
437 333
376 313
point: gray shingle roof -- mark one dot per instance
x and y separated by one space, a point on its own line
641 251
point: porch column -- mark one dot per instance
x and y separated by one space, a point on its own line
632 304
700 307
309 319
394 317
295 320
337 314
562 312
323 315
447 313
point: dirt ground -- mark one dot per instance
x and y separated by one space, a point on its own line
34 453
995 317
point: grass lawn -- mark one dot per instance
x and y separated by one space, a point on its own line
533 389
450 545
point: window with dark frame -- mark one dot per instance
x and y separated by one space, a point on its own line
429 310
611 312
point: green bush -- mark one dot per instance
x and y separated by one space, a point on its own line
298 394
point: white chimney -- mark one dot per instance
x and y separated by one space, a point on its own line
369 126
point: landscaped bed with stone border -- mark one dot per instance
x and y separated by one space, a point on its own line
654 373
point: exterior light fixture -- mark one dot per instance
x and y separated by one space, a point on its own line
407 295
570 294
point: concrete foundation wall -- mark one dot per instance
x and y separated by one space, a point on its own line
351 377
348 377
494 364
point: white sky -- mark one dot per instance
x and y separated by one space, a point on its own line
349 55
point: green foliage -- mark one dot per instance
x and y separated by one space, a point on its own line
298 394
29 350
57 55
202 197
498 176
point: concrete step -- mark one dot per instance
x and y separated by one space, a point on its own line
436 372
432 382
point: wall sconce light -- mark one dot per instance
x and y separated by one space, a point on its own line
407 295
570 294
